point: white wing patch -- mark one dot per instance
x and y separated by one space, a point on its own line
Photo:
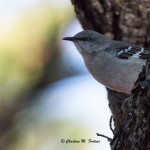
137 55
131 52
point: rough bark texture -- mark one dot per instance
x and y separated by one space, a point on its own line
127 20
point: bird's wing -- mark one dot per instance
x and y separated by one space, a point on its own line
127 52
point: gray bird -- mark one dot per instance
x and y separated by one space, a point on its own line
115 64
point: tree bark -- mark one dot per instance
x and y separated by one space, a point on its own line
129 21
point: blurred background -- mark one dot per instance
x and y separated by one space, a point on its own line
46 93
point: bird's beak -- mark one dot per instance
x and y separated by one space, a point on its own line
69 38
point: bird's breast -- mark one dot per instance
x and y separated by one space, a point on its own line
117 74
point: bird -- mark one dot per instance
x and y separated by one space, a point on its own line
115 64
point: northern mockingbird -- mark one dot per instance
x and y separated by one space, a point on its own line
115 64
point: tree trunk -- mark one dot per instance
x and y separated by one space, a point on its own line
129 21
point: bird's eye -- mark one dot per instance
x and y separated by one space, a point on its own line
86 39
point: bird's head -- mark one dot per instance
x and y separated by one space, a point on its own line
87 41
